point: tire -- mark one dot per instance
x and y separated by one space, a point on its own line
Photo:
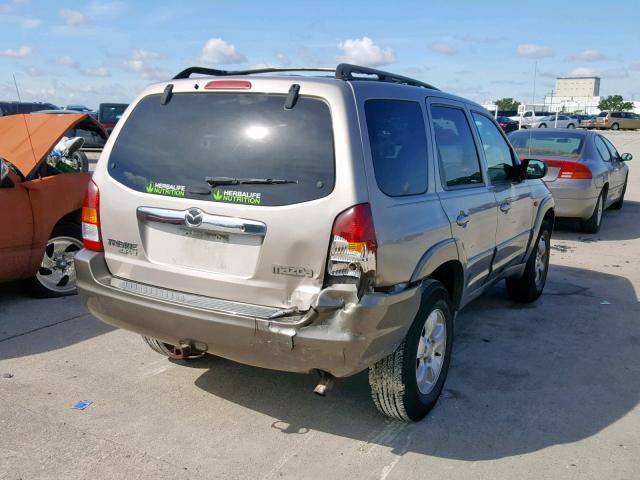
167 349
56 276
571 125
615 126
81 161
620 201
542 125
529 287
593 223
395 389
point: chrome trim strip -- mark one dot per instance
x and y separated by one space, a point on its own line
199 301
214 223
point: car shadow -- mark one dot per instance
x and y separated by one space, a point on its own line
22 318
616 225
522 378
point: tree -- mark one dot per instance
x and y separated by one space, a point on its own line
507 104
615 103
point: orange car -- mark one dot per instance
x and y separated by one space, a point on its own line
40 205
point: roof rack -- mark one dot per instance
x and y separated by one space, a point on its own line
344 71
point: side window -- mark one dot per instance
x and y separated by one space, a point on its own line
398 146
496 149
527 114
602 149
614 153
457 154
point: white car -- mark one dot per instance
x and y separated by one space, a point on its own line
550 122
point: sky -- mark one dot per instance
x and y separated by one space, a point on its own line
90 52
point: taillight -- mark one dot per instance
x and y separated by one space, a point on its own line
606 119
353 244
228 85
91 219
570 170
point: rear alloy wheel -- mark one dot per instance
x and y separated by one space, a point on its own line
529 287
542 125
592 224
407 383
56 276
615 126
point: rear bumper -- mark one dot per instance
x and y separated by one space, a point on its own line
339 334
574 198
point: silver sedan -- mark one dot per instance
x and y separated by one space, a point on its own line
586 174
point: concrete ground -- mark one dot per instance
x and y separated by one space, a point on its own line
543 391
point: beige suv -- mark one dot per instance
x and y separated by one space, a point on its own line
328 223
617 120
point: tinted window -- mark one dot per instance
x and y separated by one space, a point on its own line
604 152
457 155
398 146
111 113
533 143
496 149
612 149
603 114
171 149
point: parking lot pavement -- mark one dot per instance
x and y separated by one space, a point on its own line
541 391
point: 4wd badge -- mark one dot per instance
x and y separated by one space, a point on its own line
293 271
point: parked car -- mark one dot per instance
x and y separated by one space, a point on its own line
586 174
507 124
90 131
562 121
13 108
78 108
530 116
41 204
587 121
110 113
618 120
294 223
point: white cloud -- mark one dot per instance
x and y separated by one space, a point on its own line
443 48
283 59
95 71
67 61
588 55
582 72
635 67
21 52
73 18
363 51
531 50
217 51
34 71
141 62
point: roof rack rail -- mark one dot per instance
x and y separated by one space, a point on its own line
344 71
187 72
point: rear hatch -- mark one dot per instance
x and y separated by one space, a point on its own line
228 194
602 118
550 146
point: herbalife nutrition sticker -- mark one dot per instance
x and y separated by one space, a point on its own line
165 189
233 196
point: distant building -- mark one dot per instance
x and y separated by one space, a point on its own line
578 86
575 94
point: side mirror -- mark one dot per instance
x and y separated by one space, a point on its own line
4 170
533 169
625 157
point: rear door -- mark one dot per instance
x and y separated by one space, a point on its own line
465 196
513 195
617 168
229 194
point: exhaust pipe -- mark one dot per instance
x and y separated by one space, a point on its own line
325 384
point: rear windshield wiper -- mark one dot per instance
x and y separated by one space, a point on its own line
216 181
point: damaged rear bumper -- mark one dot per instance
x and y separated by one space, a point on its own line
338 334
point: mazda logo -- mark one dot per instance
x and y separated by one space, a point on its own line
193 217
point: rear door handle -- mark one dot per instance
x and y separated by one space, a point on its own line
505 207
462 219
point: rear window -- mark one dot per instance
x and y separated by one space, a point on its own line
174 149
603 114
547 144
111 113
398 146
